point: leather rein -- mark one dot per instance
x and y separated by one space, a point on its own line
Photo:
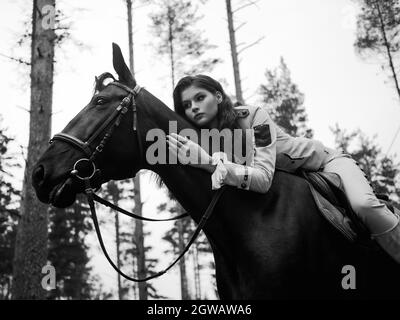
89 162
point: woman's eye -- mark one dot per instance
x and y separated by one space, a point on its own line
200 98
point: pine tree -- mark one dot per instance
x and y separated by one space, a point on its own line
194 252
177 237
9 201
285 101
378 34
380 170
237 49
234 53
140 265
174 25
31 243
112 193
68 250
128 249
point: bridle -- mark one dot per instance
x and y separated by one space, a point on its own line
111 123
91 155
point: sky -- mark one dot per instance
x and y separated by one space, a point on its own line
314 37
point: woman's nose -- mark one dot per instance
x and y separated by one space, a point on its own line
195 108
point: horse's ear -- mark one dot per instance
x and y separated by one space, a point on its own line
120 67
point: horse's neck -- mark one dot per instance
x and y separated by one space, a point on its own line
190 186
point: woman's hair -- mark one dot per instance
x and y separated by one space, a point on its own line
227 117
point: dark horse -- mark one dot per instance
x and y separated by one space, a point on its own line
273 245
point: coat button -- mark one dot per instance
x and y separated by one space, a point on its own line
243 185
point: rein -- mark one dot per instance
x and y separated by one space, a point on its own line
89 163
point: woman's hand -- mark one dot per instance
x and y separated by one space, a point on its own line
189 152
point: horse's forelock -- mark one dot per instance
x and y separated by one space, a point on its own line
101 83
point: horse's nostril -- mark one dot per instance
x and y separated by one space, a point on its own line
38 175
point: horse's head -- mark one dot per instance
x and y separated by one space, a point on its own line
56 176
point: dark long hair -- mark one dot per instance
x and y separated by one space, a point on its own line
227 117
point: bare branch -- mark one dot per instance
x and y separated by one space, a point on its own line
387 45
15 59
393 140
241 25
249 3
23 154
62 28
22 108
251 44
254 3
56 112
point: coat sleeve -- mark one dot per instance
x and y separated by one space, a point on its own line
259 174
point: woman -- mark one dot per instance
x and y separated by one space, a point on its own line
202 100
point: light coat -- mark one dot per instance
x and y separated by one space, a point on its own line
272 149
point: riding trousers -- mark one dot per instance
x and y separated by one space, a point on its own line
375 215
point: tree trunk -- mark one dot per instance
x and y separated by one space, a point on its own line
114 192
171 48
196 268
130 36
387 46
117 244
138 233
141 258
234 53
31 243
182 262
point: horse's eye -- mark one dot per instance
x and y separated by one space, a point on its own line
100 101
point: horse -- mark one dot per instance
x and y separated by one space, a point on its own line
265 246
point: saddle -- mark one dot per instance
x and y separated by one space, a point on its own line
332 202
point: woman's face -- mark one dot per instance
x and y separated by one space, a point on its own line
201 106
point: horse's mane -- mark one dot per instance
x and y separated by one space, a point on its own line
169 115
157 179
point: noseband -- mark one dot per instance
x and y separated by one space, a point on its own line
89 161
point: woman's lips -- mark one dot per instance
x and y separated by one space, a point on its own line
198 116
